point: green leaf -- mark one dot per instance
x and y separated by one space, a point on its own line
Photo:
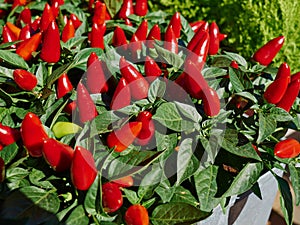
245 179
184 195
131 196
295 179
41 74
280 114
15 177
5 72
236 57
235 81
13 59
156 90
58 72
189 111
186 28
248 96
73 42
101 123
166 194
165 142
37 177
177 213
206 187
213 72
113 6
92 199
81 58
267 125
78 217
8 153
171 58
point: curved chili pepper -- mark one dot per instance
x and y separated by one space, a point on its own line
24 79
36 24
138 85
214 41
289 96
51 44
135 47
28 46
96 80
33 134
211 102
16 30
198 36
68 32
8 36
86 106
142 30
175 22
154 34
97 34
124 182
75 20
55 8
25 33
141 7
119 38
126 9
267 52
112 198
171 43
122 95
289 148
121 138
283 71
64 86
47 17
99 13
83 169
197 25
57 154
152 70
276 90
8 135
148 129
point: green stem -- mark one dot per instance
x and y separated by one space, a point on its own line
273 138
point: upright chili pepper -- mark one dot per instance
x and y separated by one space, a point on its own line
135 47
211 102
33 134
152 70
24 79
141 7
75 20
68 31
171 43
97 34
148 129
83 169
267 52
123 137
28 46
214 41
119 38
175 22
25 33
55 8
197 25
86 106
18 3
138 85
276 90
8 36
99 13
126 9
289 96
122 96
142 30
154 34
198 36
36 24
112 198
96 80
283 71
16 30
47 17
51 44
8 135
289 148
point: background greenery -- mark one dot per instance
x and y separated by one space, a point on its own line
248 23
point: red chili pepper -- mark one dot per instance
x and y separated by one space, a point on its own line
8 135
25 33
152 70
119 38
141 7
135 47
123 137
99 13
289 148
175 22
171 43
57 154
181 80
97 35
16 30
234 64
83 169
1 147
86 106
18 3
127 22
2 13
75 20
214 41
289 96
68 31
222 36
124 182
33 134
276 90
36 24
8 36
96 80
267 52
256 149
211 102
60 2
122 95
137 215
47 17
197 25
295 76
126 9
51 44
64 86
142 30
24 79
55 8
27 47
283 71
154 34
148 129
138 85
198 36
112 198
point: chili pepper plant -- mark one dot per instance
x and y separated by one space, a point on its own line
111 114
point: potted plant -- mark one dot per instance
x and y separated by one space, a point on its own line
115 115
